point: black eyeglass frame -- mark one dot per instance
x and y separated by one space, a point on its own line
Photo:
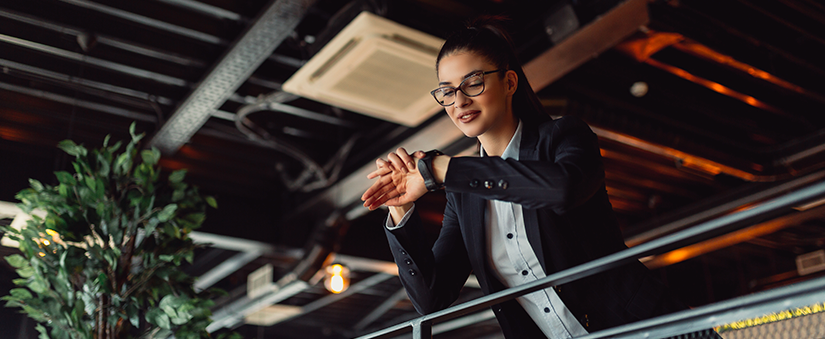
483 86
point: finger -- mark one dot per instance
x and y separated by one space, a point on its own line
380 163
418 154
406 158
382 200
381 195
379 172
375 187
397 163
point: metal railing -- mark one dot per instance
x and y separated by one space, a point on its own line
686 321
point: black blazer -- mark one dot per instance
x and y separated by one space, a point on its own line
559 181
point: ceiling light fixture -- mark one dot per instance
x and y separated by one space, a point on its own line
336 279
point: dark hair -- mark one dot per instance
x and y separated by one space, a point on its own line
487 37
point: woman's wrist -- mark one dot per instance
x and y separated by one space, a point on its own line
398 212
440 165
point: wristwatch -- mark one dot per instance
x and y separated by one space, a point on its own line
425 167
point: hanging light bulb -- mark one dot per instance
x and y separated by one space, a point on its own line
336 279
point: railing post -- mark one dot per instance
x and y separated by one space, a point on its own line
422 329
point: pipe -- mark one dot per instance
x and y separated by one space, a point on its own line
100 63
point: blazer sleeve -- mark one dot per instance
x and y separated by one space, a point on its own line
567 173
433 277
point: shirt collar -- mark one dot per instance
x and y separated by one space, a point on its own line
512 149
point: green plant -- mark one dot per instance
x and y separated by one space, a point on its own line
103 262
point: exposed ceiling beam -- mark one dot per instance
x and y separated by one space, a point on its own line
275 24
79 103
96 62
587 43
147 21
203 8
102 39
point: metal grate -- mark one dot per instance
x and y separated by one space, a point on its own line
275 24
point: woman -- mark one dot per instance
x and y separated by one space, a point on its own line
533 204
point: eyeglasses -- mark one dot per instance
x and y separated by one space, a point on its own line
471 86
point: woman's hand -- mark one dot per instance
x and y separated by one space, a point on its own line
399 181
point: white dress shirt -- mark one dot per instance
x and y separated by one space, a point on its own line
515 263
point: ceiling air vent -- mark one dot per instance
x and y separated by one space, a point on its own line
375 67
810 262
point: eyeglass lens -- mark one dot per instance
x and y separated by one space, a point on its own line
470 86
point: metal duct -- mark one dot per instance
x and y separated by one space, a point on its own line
274 25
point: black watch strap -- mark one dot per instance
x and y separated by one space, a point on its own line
425 167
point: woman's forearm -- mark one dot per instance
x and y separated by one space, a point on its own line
397 212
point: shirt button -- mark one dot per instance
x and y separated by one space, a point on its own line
412 272
509 235
546 310
524 272
488 184
503 184
474 183
408 261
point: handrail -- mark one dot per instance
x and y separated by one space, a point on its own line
422 326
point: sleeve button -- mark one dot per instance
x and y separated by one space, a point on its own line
488 184
474 183
412 272
503 184
403 252
408 261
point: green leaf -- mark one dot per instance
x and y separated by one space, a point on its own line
25 272
20 282
159 318
132 129
106 140
72 148
38 285
133 314
151 225
178 195
167 213
149 157
42 330
177 176
122 163
90 182
102 281
17 261
233 335
115 147
190 256
36 185
63 190
20 293
166 257
211 201
65 178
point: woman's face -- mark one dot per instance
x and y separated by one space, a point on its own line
484 113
